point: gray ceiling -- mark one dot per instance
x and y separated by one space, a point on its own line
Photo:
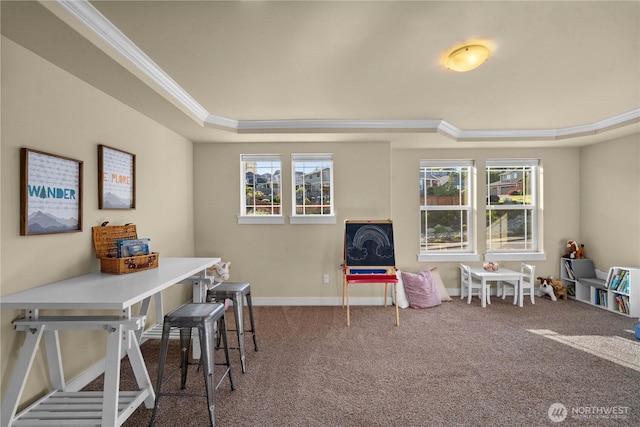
561 73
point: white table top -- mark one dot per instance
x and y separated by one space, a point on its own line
502 273
107 291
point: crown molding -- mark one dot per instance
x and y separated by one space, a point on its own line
252 126
93 25
89 22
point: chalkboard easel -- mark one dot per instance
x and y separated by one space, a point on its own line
369 257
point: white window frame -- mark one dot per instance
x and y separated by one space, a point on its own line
536 253
245 218
307 218
469 254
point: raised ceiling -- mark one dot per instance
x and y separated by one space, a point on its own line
561 73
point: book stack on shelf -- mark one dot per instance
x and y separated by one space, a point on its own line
620 281
569 268
601 297
570 274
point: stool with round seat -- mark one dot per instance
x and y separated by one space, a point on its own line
204 317
235 291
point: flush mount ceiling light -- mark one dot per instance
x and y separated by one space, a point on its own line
468 57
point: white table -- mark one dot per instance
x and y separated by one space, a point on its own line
94 291
497 276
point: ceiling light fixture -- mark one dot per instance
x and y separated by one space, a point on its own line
467 57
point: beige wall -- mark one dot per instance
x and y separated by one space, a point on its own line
286 262
610 202
47 109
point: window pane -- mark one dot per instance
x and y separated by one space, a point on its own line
445 208
509 186
444 186
444 230
262 187
509 229
313 186
511 205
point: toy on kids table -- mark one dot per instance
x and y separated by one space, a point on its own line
575 250
491 266
554 288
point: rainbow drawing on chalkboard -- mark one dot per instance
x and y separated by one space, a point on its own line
374 234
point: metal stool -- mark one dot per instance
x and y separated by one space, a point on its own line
204 317
234 291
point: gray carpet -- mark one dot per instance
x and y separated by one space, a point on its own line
452 365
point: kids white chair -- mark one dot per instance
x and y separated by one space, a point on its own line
468 284
528 284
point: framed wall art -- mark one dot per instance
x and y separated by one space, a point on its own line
116 179
50 193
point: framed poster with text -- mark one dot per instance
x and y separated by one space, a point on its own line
116 179
50 193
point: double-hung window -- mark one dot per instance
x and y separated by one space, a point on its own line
511 208
312 188
260 193
446 215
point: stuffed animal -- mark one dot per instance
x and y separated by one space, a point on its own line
559 289
221 271
554 288
220 274
575 251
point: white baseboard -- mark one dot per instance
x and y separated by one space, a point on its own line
327 301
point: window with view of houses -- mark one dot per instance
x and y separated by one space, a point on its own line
311 189
312 175
511 208
446 193
261 189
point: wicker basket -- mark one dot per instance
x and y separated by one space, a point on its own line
105 241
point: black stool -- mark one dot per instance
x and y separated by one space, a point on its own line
204 317
234 291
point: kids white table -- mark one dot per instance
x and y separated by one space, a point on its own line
94 291
497 276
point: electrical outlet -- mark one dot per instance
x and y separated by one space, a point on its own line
325 279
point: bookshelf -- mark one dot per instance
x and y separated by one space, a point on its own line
618 291
624 290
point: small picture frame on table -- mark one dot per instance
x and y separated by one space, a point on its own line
116 178
50 193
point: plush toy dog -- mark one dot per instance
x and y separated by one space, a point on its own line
554 288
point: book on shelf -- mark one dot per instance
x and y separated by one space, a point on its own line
619 279
623 304
603 297
624 285
569 268
133 247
